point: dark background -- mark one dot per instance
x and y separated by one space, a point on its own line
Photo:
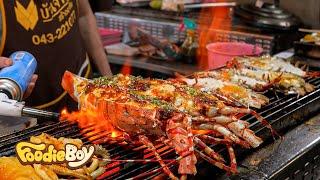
101 5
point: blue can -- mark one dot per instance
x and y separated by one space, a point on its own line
20 73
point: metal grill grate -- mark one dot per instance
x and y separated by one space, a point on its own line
282 112
157 28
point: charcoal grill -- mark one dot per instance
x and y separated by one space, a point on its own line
284 113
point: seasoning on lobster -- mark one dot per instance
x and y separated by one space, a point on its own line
234 93
149 110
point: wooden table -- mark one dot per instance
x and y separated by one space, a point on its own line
160 66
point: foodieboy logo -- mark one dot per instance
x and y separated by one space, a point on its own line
29 153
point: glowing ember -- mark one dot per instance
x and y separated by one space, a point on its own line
64 112
114 134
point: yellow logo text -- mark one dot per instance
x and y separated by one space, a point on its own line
29 153
55 8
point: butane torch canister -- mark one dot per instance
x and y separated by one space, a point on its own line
14 79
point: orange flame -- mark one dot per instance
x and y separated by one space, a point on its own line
211 19
92 122
126 68
64 112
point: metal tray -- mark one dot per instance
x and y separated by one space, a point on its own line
296 157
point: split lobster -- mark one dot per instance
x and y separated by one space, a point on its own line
261 73
146 110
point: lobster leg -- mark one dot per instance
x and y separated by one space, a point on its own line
313 74
142 175
225 132
216 163
227 99
144 140
265 123
233 110
305 67
232 156
238 127
223 120
179 131
182 154
245 133
208 150
269 84
213 140
228 143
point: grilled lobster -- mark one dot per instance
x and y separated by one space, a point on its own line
145 110
261 73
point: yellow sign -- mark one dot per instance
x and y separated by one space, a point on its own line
27 17
29 153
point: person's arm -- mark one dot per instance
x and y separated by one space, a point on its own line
91 38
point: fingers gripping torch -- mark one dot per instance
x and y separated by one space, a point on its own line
14 81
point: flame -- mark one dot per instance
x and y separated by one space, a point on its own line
64 112
126 68
92 122
210 19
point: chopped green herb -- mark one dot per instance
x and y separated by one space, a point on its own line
155 101
191 91
104 81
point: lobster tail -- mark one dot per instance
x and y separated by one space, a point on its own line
73 84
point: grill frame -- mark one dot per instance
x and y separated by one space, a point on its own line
294 110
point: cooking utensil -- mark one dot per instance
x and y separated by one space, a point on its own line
268 15
14 79
9 107
13 83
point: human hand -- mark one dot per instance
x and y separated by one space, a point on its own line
5 62
30 86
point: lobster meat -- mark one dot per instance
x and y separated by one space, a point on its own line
208 82
284 82
268 63
149 110
262 73
262 80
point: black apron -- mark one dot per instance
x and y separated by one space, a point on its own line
49 30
